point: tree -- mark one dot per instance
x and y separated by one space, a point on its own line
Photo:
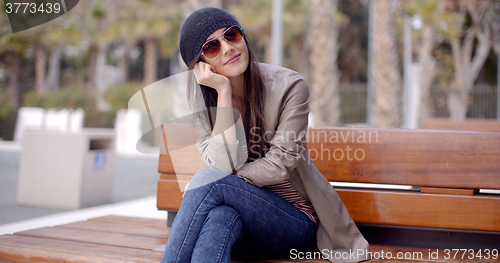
386 77
325 75
256 18
480 23
14 45
435 21
150 25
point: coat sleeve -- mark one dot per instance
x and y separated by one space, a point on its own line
219 155
288 145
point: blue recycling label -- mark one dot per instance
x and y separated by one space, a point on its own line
100 161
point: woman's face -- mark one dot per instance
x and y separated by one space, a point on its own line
232 60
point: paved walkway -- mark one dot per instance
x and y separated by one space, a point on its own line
134 186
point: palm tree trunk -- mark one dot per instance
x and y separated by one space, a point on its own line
325 75
387 81
150 63
123 63
15 71
91 82
54 72
41 61
427 71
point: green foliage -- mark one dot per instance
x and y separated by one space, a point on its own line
6 106
99 11
72 98
119 95
7 116
169 41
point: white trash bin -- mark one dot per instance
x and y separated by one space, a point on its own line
69 170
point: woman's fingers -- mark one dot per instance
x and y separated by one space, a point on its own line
206 74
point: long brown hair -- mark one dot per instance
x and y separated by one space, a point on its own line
254 90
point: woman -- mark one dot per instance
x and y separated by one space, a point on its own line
274 203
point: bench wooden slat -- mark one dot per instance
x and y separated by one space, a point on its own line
120 228
34 249
88 236
131 220
475 212
20 248
448 191
422 210
467 124
186 161
176 177
456 159
169 195
431 158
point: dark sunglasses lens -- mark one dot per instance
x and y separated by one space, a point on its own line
233 35
211 49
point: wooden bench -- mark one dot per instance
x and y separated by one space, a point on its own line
442 171
467 124
442 209
109 239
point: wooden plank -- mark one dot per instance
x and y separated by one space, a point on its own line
95 237
448 191
467 124
433 158
168 194
408 209
176 177
120 228
422 210
179 153
183 161
131 220
20 248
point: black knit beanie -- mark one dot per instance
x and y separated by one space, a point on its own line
198 26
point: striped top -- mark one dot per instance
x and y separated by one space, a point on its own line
286 191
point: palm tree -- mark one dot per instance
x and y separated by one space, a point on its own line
91 19
325 75
14 45
385 74
435 20
150 25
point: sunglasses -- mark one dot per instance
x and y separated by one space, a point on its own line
232 35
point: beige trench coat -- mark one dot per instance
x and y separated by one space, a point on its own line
286 114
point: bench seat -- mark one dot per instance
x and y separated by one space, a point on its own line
132 239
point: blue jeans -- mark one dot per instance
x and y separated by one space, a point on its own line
222 215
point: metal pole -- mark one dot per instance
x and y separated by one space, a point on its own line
369 84
498 81
407 59
277 33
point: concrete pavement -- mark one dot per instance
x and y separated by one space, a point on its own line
135 177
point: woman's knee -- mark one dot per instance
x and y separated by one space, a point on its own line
227 219
222 213
205 176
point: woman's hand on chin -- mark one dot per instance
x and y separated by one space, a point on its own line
207 75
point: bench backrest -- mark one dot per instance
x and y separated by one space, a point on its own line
467 124
446 169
